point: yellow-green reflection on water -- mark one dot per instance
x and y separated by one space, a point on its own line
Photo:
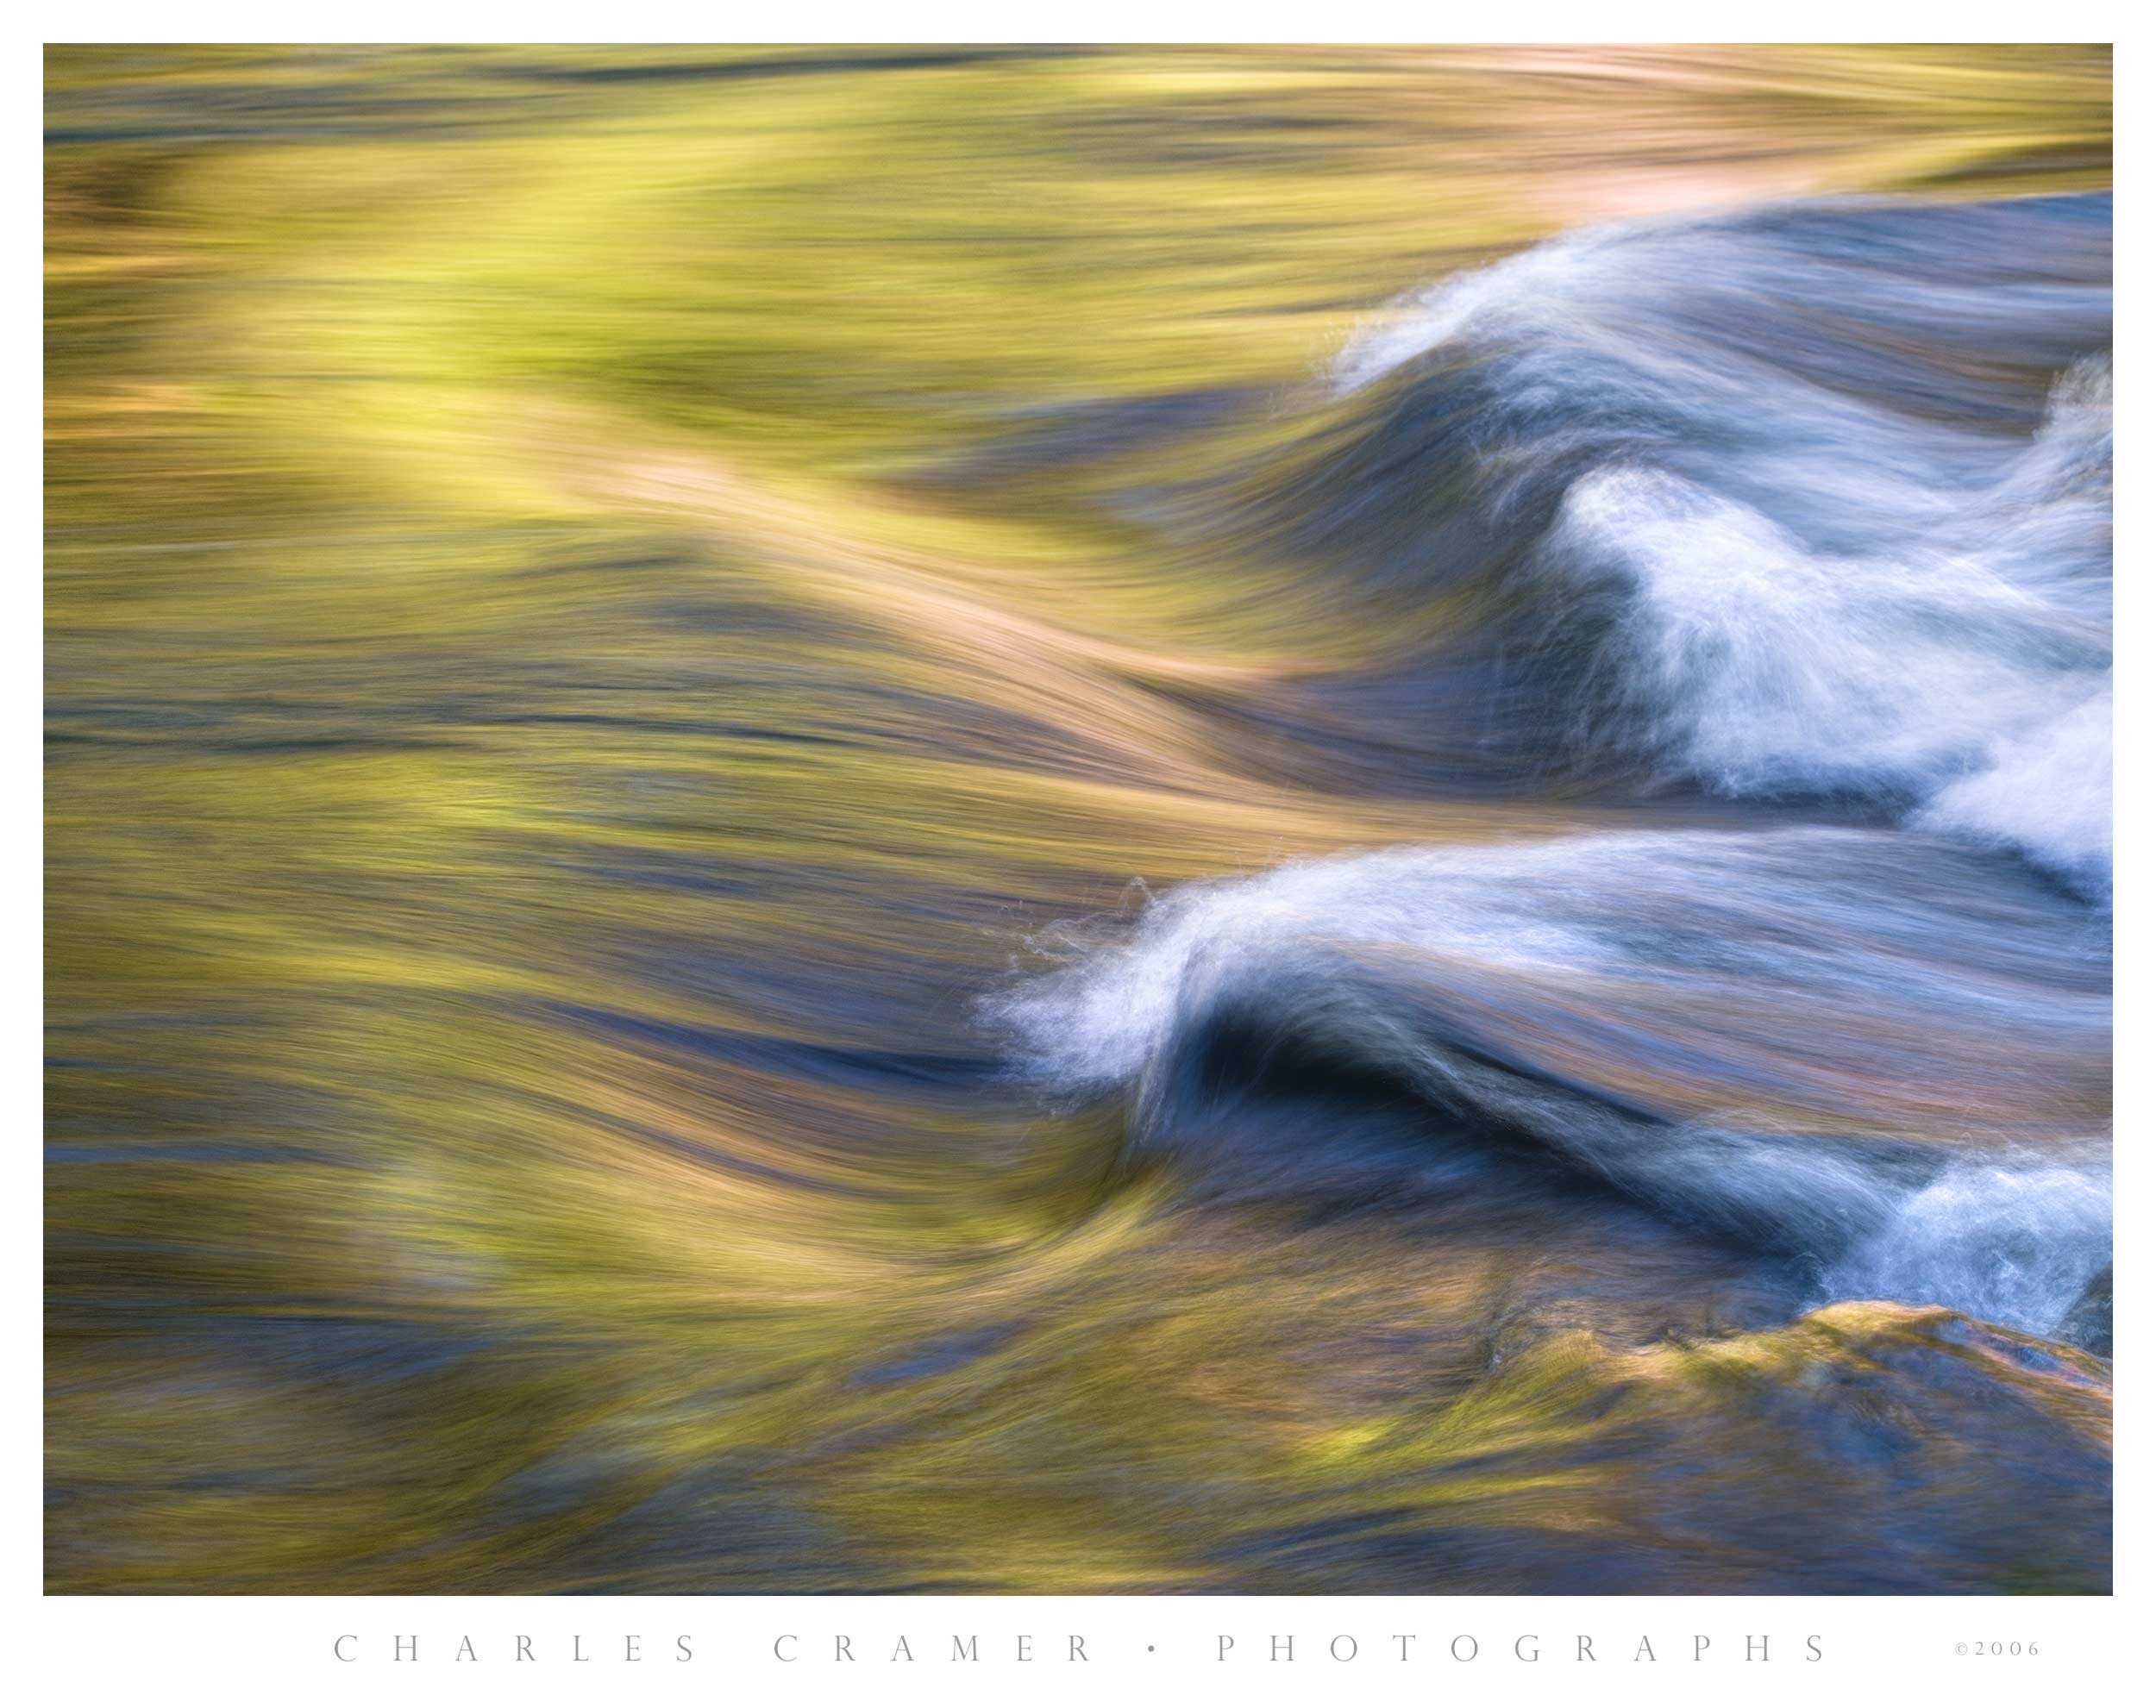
588 613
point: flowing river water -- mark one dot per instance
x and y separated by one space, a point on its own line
1048 820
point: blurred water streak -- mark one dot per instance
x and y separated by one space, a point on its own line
620 624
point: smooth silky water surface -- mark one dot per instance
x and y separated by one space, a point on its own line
1056 820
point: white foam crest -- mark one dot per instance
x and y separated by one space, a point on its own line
1098 1021
1772 668
1974 678
1797 920
1795 911
1827 589
2045 790
1544 284
1766 668
2014 1240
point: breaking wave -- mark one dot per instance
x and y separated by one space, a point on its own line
1809 507
1786 1039
1814 501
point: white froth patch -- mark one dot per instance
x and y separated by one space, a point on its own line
1541 284
1971 680
1098 1021
2044 791
1758 666
1957 667
2010 1242
1692 909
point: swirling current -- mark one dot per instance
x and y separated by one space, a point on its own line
1032 847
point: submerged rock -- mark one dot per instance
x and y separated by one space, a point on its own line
1865 1448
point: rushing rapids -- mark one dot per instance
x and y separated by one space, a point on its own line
1765 506
1778 530
1078 821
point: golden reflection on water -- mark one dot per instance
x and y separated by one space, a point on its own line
588 612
